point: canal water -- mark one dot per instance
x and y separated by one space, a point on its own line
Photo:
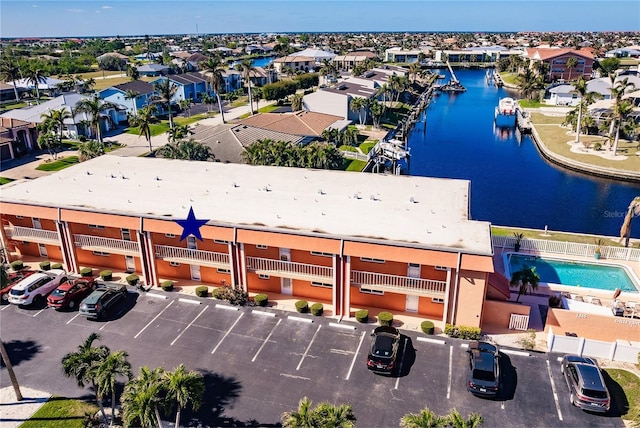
511 184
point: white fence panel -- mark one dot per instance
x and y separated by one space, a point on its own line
626 353
597 348
566 345
519 322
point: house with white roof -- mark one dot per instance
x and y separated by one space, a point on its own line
337 100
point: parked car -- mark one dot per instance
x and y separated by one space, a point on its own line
71 292
13 279
383 352
587 388
36 287
483 376
98 303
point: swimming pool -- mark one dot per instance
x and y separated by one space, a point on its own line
571 273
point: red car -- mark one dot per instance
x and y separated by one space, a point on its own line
13 279
71 292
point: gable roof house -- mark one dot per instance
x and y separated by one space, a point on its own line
118 95
351 59
295 63
190 86
557 61
153 70
17 138
337 100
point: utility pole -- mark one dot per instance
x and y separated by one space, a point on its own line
12 375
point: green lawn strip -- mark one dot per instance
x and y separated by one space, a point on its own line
356 165
156 129
13 105
60 412
624 388
189 120
367 146
348 148
59 164
551 235
4 180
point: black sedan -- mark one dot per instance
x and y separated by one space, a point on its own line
483 377
385 341
98 304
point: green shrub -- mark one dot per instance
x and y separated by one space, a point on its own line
528 340
385 318
132 279
463 332
316 309
234 295
427 327
86 272
17 265
106 275
167 285
202 291
597 146
261 299
56 266
45 265
450 330
362 315
302 306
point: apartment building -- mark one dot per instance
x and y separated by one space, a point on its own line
399 243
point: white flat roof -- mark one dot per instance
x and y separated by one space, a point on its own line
419 211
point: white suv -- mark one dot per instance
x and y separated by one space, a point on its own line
36 287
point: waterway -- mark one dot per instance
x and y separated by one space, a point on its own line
511 184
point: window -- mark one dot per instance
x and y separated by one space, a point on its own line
319 253
20 217
261 247
174 264
261 276
441 268
370 291
169 235
321 284
224 270
414 265
437 300
95 226
100 253
369 259
220 241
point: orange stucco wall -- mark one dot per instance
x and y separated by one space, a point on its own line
107 220
300 256
283 240
430 309
28 211
255 284
107 232
306 290
251 250
400 254
598 327
497 313
391 301
113 261
470 298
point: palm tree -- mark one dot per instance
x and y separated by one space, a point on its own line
257 94
625 230
331 416
303 418
9 366
179 132
94 107
35 76
143 397
296 102
621 112
571 64
457 421
208 100
114 366
414 69
143 120
185 104
185 387
424 419
246 68
526 280
375 108
186 150
55 120
327 68
359 105
132 95
89 150
213 67
166 89
581 88
10 72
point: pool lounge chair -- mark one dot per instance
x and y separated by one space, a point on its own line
595 301
578 298
630 309
617 308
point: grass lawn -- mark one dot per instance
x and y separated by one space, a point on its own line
13 105
156 129
356 165
189 120
59 164
112 81
624 388
60 412
367 146
4 180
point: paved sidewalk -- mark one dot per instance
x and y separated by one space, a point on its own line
12 412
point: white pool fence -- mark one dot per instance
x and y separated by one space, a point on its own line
621 350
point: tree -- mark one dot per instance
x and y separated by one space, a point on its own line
350 136
114 365
185 104
376 109
526 280
323 415
94 108
166 89
296 102
9 366
10 72
208 100
257 94
581 88
186 150
130 94
424 419
179 132
50 142
55 120
359 105
89 150
143 120
143 397
35 76
328 68
456 420
186 387
132 72
571 64
246 69
214 69
625 230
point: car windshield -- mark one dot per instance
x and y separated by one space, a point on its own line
58 293
594 393
484 375
383 346
15 292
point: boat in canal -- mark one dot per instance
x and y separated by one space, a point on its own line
505 113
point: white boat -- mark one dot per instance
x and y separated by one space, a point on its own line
505 113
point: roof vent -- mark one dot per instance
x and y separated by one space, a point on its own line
235 184
413 200
357 196
320 192
88 172
158 178
267 188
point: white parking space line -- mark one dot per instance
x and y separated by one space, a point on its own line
153 320
266 340
512 352
307 320
344 326
190 324
229 308
193 302
76 316
450 371
502 405
227 333
464 345
404 350
294 376
397 382
104 325
428 340
353 362
308 347
263 313
39 312
7 306
340 351
553 388
156 295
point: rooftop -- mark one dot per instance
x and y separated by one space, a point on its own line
425 212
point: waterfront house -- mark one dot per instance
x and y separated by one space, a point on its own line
190 86
557 58
349 60
295 63
153 70
336 100
117 94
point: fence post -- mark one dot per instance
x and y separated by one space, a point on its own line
566 246
612 353
581 346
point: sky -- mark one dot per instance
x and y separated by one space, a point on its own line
82 18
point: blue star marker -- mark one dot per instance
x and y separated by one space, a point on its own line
191 226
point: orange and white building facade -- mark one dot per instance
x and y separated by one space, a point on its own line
351 240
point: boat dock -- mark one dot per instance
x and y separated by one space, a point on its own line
523 122
454 84
493 78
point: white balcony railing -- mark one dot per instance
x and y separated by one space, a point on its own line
401 284
293 270
192 257
30 234
107 245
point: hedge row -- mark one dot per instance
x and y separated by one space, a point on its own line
234 295
462 332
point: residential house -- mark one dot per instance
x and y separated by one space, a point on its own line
232 80
118 95
336 101
318 55
260 76
17 138
557 58
349 60
48 86
626 52
153 70
293 62
397 54
7 92
191 86
124 60
273 230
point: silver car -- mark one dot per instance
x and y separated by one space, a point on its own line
586 384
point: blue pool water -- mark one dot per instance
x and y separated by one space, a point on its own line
577 274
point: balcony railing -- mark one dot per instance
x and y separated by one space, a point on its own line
192 257
401 284
292 270
30 234
107 245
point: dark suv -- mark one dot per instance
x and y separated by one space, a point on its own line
98 303
384 349
586 384
483 377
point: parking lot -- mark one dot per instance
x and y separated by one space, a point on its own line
259 362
